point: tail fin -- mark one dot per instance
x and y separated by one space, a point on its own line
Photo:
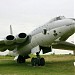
11 32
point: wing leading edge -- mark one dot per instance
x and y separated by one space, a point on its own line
63 45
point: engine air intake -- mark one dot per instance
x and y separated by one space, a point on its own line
10 37
22 35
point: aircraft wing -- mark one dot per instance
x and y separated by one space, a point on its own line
4 47
63 45
11 42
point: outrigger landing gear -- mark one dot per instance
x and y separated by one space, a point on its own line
38 61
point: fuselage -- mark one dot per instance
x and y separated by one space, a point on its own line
45 35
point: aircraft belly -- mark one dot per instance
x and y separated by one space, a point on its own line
25 50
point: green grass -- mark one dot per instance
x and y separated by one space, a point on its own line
55 65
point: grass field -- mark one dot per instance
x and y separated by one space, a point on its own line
55 65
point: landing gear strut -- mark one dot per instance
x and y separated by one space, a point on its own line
38 61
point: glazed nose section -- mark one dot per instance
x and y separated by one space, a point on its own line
74 24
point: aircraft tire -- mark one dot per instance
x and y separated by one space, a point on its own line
20 59
33 61
37 61
42 62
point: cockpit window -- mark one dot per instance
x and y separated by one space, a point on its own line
57 18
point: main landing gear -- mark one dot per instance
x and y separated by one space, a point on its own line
21 59
38 61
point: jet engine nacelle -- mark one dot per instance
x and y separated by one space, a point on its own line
10 39
21 38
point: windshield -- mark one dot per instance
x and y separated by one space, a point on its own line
57 18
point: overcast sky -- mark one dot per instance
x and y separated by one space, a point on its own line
25 15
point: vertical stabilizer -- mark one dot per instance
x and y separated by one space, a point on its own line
11 30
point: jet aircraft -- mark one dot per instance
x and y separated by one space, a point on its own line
53 34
